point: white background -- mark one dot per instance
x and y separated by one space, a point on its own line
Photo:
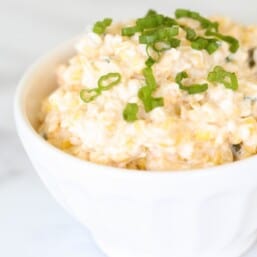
31 223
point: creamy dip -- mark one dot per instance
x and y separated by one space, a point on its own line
186 131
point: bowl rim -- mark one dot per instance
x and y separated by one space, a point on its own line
21 119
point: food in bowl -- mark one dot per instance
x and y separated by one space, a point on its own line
158 93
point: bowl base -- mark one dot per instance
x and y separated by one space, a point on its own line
235 250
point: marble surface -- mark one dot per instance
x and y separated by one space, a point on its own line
31 223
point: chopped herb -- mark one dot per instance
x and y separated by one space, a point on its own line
190 33
228 79
213 45
130 112
161 46
200 43
209 44
169 22
174 42
158 32
100 26
151 12
251 60
211 30
147 39
149 62
167 33
151 36
205 23
180 76
191 89
88 95
145 95
105 82
194 88
109 80
149 78
129 31
233 42
151 53
156 102
150 21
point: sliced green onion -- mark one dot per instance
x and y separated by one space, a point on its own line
228 79
180 76
169 22
151 12
234 82
195 88
100 26
233 42
88 95
149 78
150 62
181 13
150 21
109 80
129 31
205 23
166 45
145 95
213 45
200 43
148 39
105 82
130 112
151 53
156 102
166 33
191 89
145 92
151 36
174 42
190 33
209 44
161 46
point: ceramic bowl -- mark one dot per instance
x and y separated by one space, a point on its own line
202 213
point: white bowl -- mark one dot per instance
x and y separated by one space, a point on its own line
202 213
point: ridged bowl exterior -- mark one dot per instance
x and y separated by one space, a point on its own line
204 213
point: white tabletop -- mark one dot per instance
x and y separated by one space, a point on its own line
31 223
